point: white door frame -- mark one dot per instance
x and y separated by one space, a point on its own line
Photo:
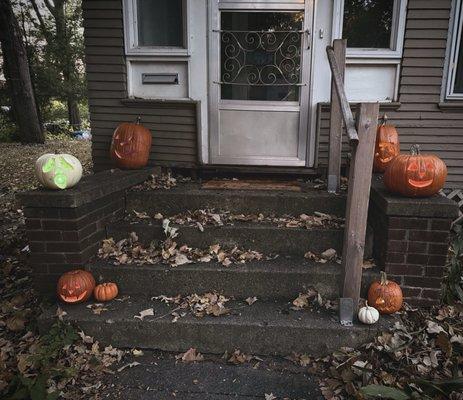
306 148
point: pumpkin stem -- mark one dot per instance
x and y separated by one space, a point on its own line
384 119
138 120
383 278
415 150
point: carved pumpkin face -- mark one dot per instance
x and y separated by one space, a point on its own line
387 146
131 145
420 172
75 286
415 175
386 296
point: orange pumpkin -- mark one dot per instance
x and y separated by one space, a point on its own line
385 295
75 286
387 146
415 174
131 145
106 291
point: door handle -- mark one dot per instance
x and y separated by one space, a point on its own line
308 35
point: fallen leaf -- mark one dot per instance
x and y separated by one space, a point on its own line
251 300
145 313
191 355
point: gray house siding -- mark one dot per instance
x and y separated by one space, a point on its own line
173 125
419 119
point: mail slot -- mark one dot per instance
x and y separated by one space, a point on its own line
156 79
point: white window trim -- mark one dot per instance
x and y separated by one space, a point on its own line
397 36
131 34
452 53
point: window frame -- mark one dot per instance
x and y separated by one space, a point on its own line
454 38
132 47
397 34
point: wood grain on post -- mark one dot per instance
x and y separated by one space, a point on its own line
358 197
336 120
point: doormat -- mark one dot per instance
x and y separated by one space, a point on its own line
252 184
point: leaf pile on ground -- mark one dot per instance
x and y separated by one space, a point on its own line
17 162
423 353
211 303
59 364
131 251
212 217
161 181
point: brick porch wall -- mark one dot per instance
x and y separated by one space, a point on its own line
411 238
65 227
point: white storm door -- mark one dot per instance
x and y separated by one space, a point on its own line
259 82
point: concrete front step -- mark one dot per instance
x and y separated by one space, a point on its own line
268 239
265 328
191 197
280 279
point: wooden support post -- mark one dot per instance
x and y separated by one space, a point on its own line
335 143
358 197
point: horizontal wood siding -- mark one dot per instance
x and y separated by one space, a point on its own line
173 125
419 118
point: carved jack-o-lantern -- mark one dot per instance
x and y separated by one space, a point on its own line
75 286
415 174
130 146
387 146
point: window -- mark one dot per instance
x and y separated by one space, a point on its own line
373 28
155 27
368 23
454 89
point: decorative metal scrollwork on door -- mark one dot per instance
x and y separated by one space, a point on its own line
261 58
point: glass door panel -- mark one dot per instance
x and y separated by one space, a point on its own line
260 55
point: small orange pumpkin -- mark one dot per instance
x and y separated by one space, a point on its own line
106 291
385 295
75 286
415 174
387 146
131 145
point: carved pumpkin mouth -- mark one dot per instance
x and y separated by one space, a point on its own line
385 159
421 183
72 299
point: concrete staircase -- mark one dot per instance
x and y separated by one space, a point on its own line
270 325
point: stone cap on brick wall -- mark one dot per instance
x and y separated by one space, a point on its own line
90 188
436 206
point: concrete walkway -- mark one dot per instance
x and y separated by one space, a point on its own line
161 376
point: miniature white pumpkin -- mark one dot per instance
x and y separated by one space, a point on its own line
368 315
58 171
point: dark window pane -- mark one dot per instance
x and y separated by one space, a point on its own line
160 23
458 88
261 55
368 23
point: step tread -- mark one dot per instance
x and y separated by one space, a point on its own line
194 188
277 265
262 328
261 313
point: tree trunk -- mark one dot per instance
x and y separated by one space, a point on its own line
73 114
17 74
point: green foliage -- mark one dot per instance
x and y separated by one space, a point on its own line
8 131
44 361
453 284
421 389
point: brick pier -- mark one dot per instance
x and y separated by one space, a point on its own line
411 238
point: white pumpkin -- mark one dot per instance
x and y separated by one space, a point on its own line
58 171
368 315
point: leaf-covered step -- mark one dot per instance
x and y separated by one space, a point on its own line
282 278
190 196
265 328
264 238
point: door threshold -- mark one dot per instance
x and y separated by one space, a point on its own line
257 171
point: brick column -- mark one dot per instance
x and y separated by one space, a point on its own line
65 227
411 238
